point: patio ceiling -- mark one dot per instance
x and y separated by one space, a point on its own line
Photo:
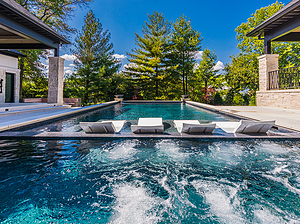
20 29
284 25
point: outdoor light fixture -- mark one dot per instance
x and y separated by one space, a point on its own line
1 81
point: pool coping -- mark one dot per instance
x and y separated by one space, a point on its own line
129 135
60 116
11 133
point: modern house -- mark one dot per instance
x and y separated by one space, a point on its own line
9 76
278 88
20 29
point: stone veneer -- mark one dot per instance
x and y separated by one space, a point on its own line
267 63
56 78
288 99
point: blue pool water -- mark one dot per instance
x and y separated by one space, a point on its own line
132 112
149 181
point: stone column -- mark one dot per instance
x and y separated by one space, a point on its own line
56 78
267 63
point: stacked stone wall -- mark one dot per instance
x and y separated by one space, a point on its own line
288 99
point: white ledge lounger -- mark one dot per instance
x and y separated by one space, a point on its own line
245 126
193 126
103 126
148 125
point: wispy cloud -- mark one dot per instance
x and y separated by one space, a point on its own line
69 72
198 55
69 57
119 56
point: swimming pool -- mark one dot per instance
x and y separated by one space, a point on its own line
150 181
131 112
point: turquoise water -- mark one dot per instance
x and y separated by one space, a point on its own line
154 181
132 112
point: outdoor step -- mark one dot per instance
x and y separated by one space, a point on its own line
22 110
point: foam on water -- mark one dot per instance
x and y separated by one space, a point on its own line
150 181
133 205
222 200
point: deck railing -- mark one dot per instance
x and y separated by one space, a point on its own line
287 78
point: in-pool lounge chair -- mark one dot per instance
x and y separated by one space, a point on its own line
148 125
102 127
193 126
245 126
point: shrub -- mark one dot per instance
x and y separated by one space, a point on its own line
252 101
238 100
217 99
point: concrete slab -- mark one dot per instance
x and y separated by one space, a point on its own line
285 118
94 136
24 119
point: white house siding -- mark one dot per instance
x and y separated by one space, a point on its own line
9 65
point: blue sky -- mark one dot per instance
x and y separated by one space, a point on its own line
216 20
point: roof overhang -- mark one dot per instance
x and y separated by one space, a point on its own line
20 29
284 25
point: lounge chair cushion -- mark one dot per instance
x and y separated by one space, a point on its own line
148 125
193 126
102 127
246 126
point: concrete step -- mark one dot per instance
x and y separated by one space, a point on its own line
30 109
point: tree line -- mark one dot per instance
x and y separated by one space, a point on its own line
162 65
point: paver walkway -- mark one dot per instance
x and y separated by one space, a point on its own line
286 118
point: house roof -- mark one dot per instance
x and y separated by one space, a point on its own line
12 53
23 28
288 13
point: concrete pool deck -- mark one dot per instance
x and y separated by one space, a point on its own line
285 118
21 115
10 120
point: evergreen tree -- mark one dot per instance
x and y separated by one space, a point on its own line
147 64
184 44
94 64
205 76
56 14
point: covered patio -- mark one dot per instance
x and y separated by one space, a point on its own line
278 88
20 29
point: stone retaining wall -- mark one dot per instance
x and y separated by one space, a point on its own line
288 99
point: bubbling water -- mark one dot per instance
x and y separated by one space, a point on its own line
150 181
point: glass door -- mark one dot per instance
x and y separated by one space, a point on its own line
9 88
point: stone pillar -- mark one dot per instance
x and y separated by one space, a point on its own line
267 63
55 80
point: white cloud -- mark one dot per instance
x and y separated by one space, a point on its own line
198 55
68 57
72 65
66 68
69 72
119 56
219 66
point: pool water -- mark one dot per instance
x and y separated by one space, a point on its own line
150 181
132 112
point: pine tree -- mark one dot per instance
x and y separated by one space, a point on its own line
147 64
205 76
184 45
94 64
